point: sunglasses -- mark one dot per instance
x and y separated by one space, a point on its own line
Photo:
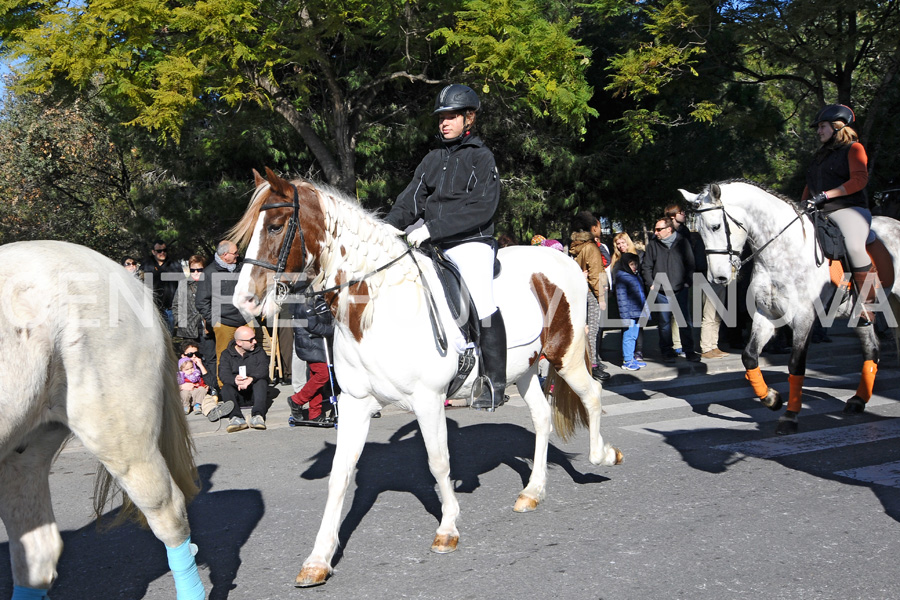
190 354
196 270
661 228
160 250
253 339
130 264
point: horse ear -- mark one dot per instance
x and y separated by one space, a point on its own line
279 185
690 198
715 193
258 179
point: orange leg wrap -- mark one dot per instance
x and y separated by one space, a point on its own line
754 376
795 396
867 380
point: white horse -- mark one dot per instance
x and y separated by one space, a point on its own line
385 350
787 283
68 318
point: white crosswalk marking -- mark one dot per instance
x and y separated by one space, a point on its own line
886 474
813 441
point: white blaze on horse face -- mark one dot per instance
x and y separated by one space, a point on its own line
245 297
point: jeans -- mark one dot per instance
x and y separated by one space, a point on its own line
629 337
665 323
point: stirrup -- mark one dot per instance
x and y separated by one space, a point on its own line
483 396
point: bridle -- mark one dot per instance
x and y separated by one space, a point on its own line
735 255
282 288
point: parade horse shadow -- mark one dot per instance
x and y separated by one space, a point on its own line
717 448
401 465
134 550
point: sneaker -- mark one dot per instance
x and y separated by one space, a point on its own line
639 363
693 357
296 410
679 352
639 356
236 424
631 365
220 411
257 422
714 353
197 409
669 358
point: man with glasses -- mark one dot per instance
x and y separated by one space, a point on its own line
668 270
244 372
214 297
163 275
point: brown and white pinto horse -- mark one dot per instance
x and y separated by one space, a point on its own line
385 348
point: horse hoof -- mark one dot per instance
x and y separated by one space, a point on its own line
619 456
786 427
772 400
854 406
311 575
444 544
525 504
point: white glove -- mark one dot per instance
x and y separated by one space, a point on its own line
417 236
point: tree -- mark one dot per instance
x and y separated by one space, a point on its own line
335 73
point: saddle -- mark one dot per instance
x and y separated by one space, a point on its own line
831 242
461 307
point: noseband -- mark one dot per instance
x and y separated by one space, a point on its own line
293 229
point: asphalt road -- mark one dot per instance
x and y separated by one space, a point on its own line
708 504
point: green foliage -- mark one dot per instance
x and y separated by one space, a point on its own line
512 44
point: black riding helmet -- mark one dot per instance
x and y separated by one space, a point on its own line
456 97
834 113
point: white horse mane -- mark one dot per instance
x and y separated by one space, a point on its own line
357 243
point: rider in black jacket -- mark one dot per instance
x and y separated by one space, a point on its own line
456 190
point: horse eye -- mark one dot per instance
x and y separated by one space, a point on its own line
716 227
275 229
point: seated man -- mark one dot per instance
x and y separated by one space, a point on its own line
244 372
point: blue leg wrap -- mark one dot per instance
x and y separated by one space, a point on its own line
184 569
26 593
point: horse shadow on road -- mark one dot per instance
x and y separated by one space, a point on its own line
123 561
401 465
716 450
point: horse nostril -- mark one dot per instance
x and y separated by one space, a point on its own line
721 280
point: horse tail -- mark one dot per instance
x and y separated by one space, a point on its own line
568 409
175 444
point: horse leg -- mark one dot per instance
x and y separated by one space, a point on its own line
871 354
131 454
433 424
25 508
355 416
760 333
801 328
530 389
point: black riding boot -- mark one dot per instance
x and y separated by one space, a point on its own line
493 352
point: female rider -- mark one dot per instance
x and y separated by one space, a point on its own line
456 190
835 183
